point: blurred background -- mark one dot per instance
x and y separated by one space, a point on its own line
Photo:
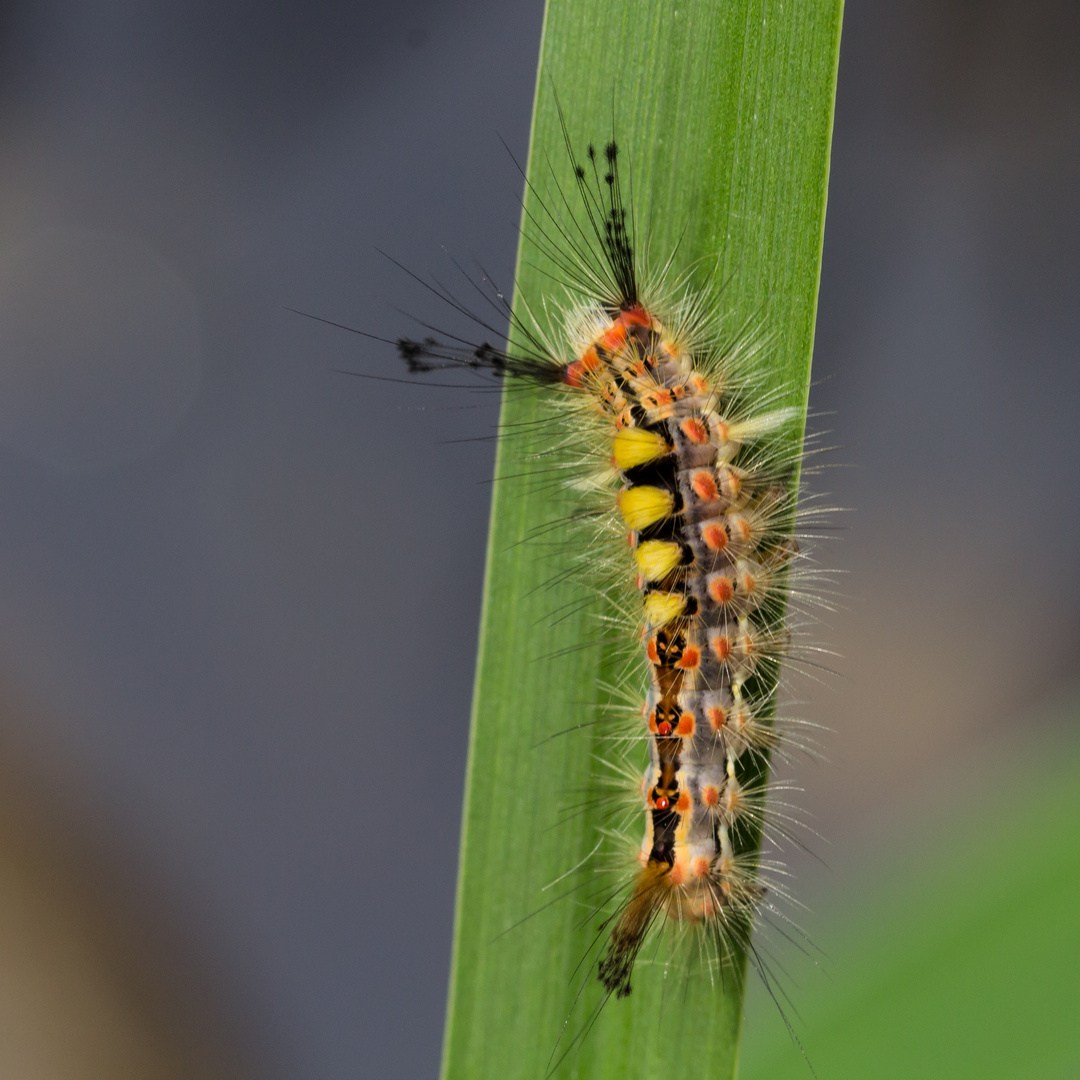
216 563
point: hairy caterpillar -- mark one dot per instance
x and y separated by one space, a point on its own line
688 472
641 398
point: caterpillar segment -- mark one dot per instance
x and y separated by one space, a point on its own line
707 555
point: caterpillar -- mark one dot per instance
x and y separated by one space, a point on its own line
689 474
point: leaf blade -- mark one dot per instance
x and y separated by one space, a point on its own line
725 109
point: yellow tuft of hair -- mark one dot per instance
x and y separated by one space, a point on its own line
636 446
645 505
662 608
657 558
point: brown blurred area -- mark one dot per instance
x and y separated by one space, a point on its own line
93 986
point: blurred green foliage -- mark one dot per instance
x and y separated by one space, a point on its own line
961 960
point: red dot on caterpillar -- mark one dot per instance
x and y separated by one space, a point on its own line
695 431
704 484
690 659
720 644
714 536
721 589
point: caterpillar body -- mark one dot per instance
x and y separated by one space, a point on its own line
690 474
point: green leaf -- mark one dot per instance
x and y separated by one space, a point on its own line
723 110
956 956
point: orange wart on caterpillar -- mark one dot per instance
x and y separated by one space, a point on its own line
684 467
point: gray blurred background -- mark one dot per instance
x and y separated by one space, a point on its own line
239 590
